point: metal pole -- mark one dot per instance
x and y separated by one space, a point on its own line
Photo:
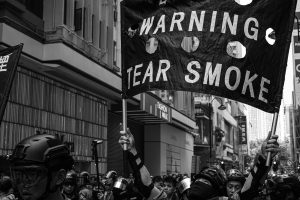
124 115
96 162
273 130
210 133
293 140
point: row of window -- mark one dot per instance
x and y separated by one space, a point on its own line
36 103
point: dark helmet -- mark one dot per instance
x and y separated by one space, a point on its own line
216 176
111 174
42 149
84 174
71 177
235 175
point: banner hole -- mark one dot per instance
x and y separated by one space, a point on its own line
243 2
190 44
132 30
236 50
270 36
151 45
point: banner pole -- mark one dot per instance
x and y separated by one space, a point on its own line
124 116
273 130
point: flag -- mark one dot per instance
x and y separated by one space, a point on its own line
9 59
207 46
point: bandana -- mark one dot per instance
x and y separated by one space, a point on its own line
202 191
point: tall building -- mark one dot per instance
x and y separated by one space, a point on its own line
290 130
260 123
68 83
217 132
296 80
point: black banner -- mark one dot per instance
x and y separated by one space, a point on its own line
199 45
9 59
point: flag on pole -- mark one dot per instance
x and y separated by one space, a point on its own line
9 59
215 47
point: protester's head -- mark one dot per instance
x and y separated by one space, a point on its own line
70 183
85 194
169 185
235 182
184 188
158 182
111 176
38 166
84 178
120 188
5 185
209 183
285 189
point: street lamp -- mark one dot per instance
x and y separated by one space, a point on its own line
95 156
221 107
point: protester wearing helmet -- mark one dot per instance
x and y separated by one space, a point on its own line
38 167
209 184
184 188
70 186
84 180
283 188
120 189
111 177
235 182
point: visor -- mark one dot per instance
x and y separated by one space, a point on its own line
28 175
121 183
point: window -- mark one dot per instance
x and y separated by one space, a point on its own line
77 18
115 54
47 105
227 128
107 37
84 30
65 11
115 17
100 34
93 21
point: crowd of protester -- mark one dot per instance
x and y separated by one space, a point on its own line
42 168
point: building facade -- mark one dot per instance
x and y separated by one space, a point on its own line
68 84
217 133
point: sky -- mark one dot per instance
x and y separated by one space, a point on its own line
288 83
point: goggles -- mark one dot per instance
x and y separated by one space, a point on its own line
69 183
28 175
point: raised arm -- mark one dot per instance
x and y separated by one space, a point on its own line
142 176
259 171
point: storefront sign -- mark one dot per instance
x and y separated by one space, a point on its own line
155 107
297 16
242 121
296 44
244 149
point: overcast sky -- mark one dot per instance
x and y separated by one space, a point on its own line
288 84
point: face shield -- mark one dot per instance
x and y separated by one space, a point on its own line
28 175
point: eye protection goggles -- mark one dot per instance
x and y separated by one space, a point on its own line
28 175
